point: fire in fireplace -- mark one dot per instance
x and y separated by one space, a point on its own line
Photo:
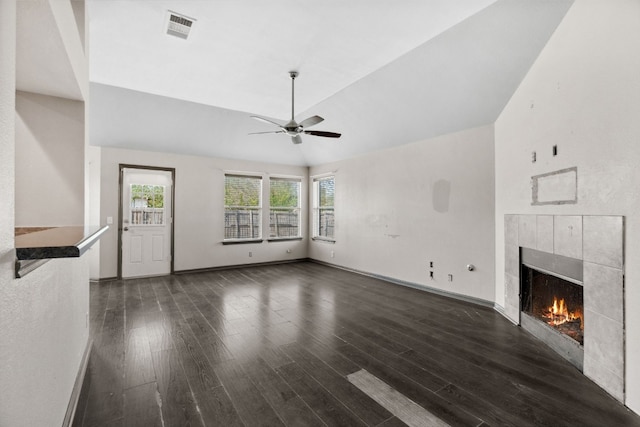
554 301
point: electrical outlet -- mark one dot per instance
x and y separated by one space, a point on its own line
250 254
431 275
450 277
430 264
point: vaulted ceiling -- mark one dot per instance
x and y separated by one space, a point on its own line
381 73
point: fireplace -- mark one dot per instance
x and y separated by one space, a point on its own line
551 302
578 249
554 301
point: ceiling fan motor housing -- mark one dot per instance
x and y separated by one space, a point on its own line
292 128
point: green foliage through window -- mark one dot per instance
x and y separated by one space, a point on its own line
242 191
284 199
284 193
326 192
147 204
147 196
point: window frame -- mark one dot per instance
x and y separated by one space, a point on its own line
258 209
297 208
316 215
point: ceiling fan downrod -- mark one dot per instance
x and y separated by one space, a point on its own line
293 75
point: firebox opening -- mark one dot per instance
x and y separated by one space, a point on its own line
554 301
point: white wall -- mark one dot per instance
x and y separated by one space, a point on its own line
400 208
50 152
583 94
7 150
43 338
43 332
199 210
92 203
7 136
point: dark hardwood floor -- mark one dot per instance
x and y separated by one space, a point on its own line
273 346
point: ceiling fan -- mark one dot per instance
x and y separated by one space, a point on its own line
294 129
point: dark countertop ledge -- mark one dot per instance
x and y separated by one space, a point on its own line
58 242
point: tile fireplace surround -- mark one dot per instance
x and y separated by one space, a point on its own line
597 241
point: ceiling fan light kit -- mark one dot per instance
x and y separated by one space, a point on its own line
293 128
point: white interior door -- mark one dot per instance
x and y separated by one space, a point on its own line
146 222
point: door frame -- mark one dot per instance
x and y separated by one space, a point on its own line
122 167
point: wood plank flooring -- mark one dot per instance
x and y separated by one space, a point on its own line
274 345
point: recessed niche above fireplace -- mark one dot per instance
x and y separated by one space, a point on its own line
585 251
555 188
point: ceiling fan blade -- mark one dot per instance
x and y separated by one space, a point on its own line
272 131
314 120
323 133
262 119
296 139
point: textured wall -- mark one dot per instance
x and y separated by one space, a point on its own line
400 208
583 95
43 321
7 135
7 165
43 333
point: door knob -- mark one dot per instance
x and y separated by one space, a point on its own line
126 229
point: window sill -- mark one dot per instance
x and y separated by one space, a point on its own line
239 242
323 240
283 239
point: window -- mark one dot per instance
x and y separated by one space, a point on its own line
242 207
284 216
323 212
147 204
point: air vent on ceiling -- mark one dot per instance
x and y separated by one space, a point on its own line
179 25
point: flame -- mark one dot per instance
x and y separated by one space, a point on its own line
558 313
